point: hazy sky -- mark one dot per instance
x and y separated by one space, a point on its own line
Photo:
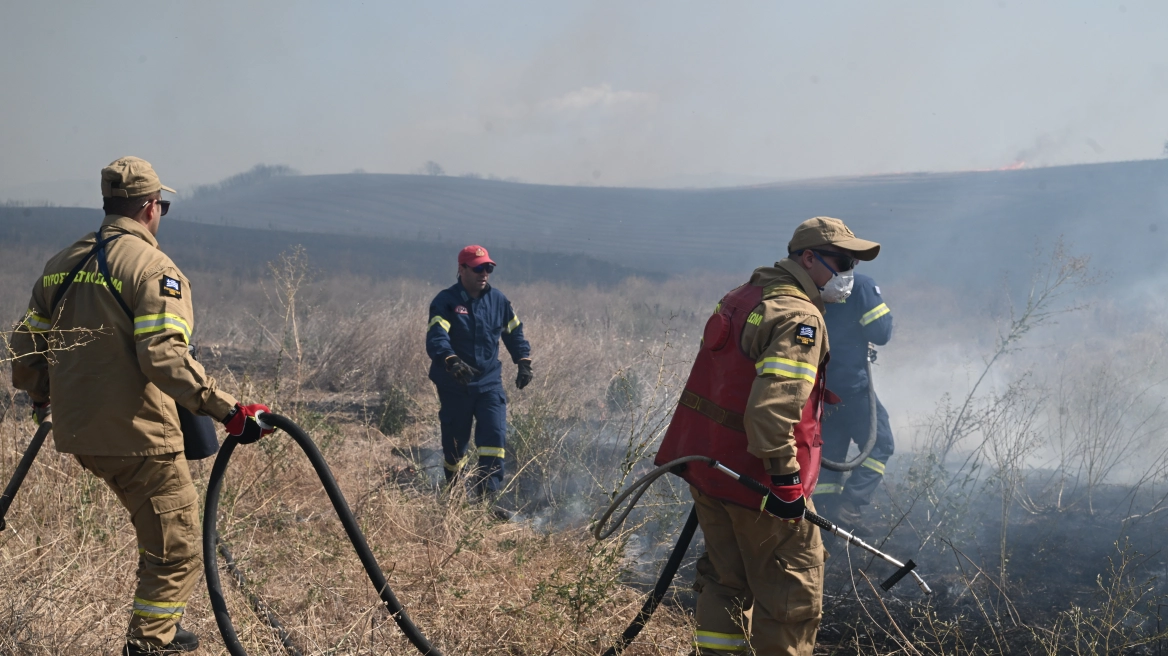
612 93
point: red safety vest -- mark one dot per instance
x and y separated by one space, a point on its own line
709 417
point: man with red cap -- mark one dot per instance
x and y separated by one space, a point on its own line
467 320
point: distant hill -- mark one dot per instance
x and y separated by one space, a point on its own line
959 230
246 251
951 225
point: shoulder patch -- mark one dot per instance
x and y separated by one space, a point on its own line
877 287
170 287
805 334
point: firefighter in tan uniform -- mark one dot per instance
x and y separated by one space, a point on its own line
111 353
755 404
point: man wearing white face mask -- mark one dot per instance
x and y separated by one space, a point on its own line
753 400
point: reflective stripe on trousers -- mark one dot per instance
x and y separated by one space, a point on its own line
158 609
722 641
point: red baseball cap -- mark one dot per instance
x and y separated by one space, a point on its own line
474 255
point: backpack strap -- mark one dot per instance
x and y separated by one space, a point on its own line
99 250
103 266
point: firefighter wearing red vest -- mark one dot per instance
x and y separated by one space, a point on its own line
753 401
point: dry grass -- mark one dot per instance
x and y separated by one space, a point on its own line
539 585
474 585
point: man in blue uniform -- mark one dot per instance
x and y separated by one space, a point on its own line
862 319
466 322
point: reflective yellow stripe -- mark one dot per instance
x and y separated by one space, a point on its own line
723 641
718 308
158 609
441 322
154 323
874 314
156 615
491 451
36 323
828 488
512 325
456 466
786 368
874 465
754 319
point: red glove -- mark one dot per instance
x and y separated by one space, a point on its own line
786 498
243 425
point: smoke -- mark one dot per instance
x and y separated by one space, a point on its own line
599 93
1046 146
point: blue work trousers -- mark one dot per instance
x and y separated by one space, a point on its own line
846 422
487 409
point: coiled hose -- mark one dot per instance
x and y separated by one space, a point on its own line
675 557
210 535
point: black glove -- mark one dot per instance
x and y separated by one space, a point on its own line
41 411
786 498
525 375
462 372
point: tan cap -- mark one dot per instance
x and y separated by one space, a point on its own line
824 230
130 177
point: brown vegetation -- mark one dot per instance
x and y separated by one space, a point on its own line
344 357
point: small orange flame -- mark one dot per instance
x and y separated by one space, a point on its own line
1014 167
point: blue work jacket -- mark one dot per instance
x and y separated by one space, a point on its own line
471 328
862 319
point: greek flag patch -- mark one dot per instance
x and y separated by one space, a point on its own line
170 288
805 334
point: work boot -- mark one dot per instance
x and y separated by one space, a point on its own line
184 641
848 514
490 499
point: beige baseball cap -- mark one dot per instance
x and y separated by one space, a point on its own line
824 230
130 177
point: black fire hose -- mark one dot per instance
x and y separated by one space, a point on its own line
661 587
638 488
210 518
14 483
849 465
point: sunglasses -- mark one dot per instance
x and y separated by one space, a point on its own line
164 204
843 261
489 268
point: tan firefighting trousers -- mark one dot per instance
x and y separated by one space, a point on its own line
163 505
756 562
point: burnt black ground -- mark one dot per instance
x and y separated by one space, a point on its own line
1059 559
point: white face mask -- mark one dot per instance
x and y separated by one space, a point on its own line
838 289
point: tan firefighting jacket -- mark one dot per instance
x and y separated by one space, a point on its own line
113 381
787 338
